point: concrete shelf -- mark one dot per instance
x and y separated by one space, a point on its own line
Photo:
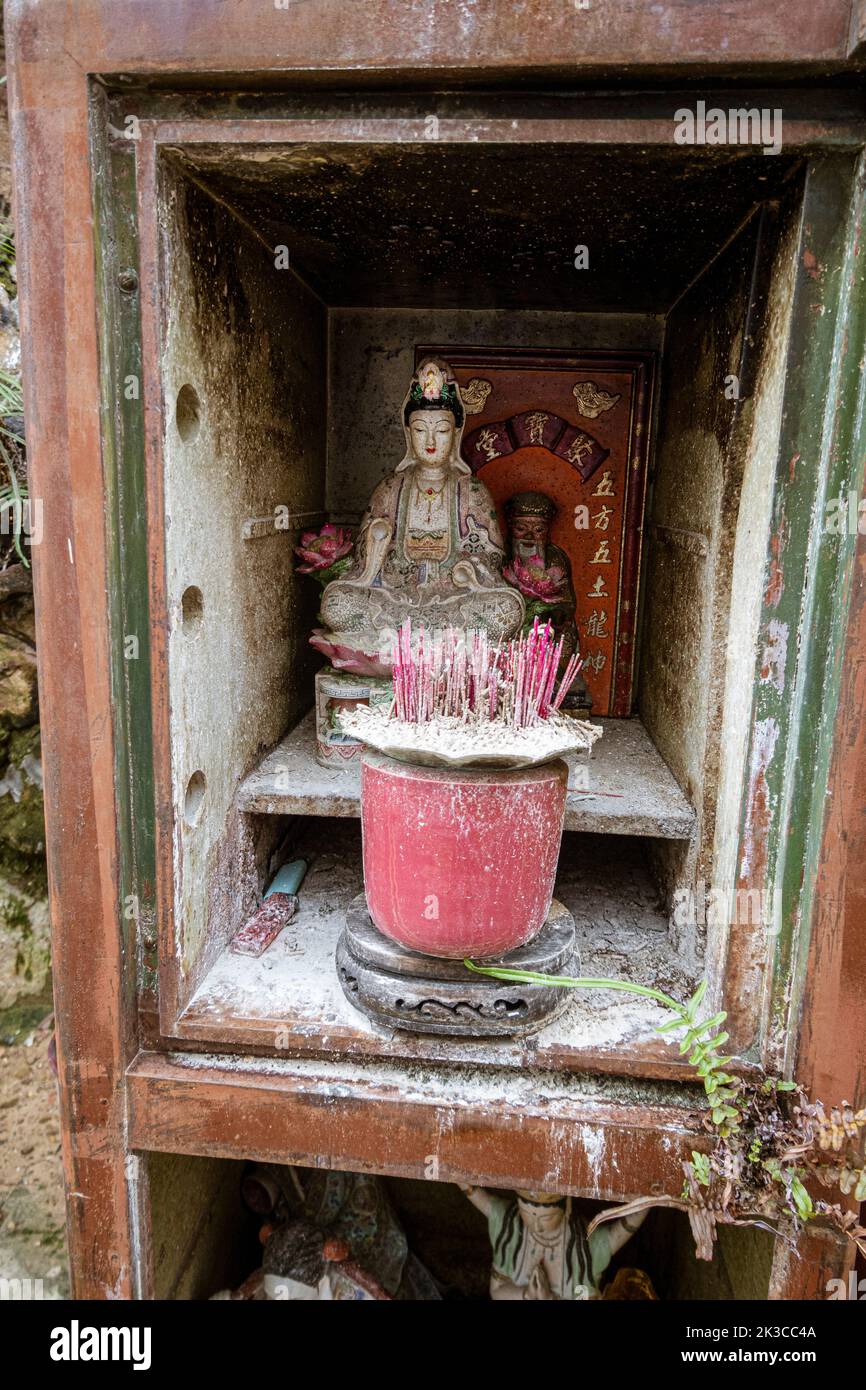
630 789
290 1000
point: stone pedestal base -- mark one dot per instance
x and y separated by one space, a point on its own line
400 988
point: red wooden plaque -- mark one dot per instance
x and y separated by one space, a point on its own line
576 427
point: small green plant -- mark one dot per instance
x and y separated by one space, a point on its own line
13 492
768 1137
7 261
702 1040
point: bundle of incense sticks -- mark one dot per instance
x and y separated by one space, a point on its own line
460 675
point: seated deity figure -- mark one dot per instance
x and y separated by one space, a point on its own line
429 546
543 573
541 1247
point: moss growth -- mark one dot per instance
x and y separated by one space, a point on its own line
16 919
21 1018
22 822
7 260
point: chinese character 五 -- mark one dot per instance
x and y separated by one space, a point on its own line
605 485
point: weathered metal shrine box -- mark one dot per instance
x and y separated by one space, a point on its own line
238 226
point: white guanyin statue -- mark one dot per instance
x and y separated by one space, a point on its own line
541 1248
429 547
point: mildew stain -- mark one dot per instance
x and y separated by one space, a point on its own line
594 1142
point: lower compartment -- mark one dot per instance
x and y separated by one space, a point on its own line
290 1000
221 1226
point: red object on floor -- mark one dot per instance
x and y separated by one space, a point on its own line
265 925
458 862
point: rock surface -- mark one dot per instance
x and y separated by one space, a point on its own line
32 1219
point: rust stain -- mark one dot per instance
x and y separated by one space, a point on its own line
753 862
775 655
747 962
792 466
811 265
776 579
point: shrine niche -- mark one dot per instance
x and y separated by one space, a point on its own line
573 427
478 487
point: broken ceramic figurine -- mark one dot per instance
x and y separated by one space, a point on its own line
332 1236
541 1247
429 547
302 1265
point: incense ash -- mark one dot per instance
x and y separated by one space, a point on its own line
462 701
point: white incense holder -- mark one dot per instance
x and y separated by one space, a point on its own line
452 742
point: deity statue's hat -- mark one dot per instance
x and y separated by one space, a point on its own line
433 387
531 504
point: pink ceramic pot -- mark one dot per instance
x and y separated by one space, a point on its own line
456 862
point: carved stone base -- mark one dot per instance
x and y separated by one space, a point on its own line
403 989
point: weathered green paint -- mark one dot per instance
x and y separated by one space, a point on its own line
831 564
126 523
807 580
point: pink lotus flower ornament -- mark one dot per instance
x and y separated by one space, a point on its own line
323 550
534 581
354 660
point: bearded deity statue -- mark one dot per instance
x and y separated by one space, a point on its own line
429 546
542 573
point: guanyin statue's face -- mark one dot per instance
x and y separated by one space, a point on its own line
541 1219
432 436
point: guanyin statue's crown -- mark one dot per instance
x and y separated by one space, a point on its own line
434 388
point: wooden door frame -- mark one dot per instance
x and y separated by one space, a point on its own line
60 63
